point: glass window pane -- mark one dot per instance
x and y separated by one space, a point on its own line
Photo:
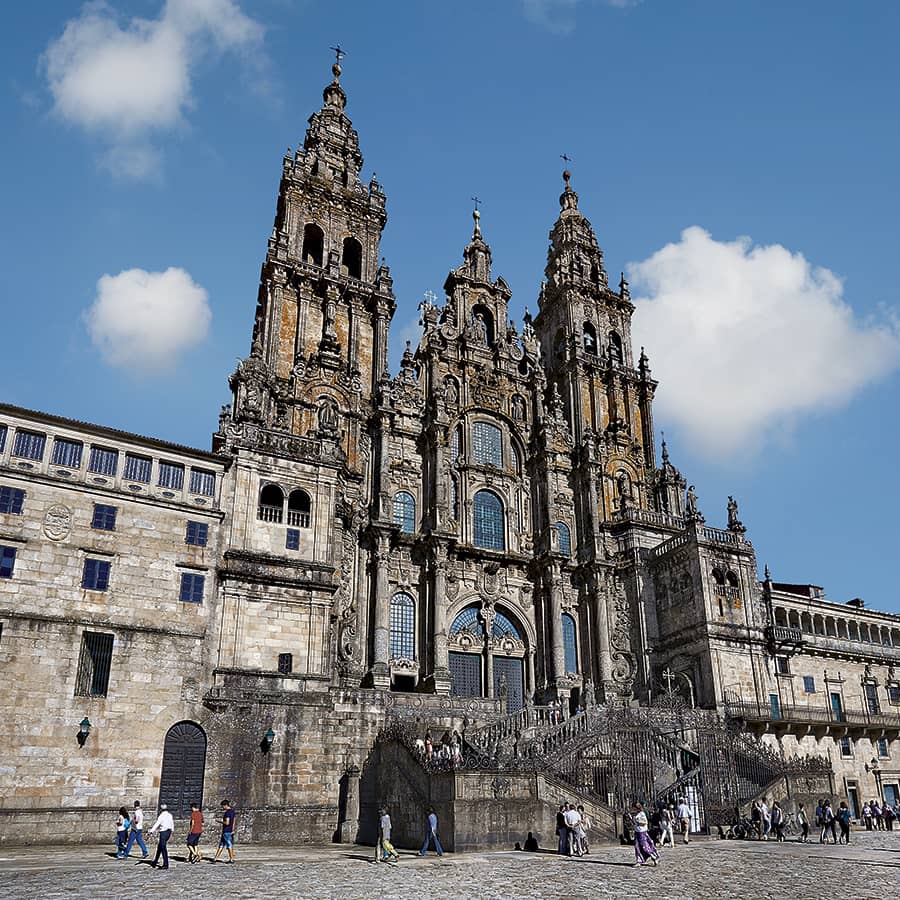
488 523
137 468
203 482
11 500
67 453
402 627
405 511
103 461
565 538
171 475
570 645
29 445
487 444
3 430
7 561
196 533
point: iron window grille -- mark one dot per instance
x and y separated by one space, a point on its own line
96 575
405 511
103 461
7 561
203 482
67 453
94 664
171 475
570 646
104 517
11 500
884 751
565 544
487 444
138 468
29 445
402 625
192 587
285 663
487 510
196 534
292 539
3 431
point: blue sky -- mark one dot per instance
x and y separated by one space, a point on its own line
691 125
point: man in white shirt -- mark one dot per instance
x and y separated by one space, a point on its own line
573 820
684 816
165 825
137 832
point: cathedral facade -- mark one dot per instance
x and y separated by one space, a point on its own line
486 530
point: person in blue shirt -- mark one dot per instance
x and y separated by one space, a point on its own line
226 842
431 834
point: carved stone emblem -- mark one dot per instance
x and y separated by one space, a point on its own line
58 522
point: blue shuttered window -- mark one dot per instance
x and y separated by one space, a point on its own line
196 534
96 575
192 587
171 475
809 684
67 453
7 561
138 468
292 539
487 510
104 517
11 500
29 445
104 461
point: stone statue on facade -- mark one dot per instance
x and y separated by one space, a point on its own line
328 416
589 698
690 505
734 522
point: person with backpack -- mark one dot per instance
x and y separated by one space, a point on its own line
778 821
828 823
843 819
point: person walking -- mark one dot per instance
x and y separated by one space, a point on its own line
431 834
137 832
778 821
666 822
803 822
164 825
843 819
827 823
123 823
193 838
226 841
683 815
384 849
765 819
644 848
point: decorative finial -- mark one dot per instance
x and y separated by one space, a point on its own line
476 215
566 173
336 68
623 287
665 449
768 573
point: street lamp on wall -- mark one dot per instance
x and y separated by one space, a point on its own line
267 741
84 729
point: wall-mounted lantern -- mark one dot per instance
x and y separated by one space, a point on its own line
84 729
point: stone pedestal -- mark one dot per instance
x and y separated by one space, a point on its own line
350 822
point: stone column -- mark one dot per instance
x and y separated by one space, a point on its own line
556 636
350 822
441 655
487 616
600 597
381 676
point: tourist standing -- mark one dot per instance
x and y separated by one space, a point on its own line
778 821
226 841
193 838
164 825
123 823
137 832
684 815
867 816
827 823
877 815
562 840
803 822
644 848
584 830
431 834
765 819
843 819
573 821
889 816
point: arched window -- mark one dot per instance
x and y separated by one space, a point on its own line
313 244
271 504
487 511
403 632
732 579
516 459
299 508
351 259
718 577
405 511
565 538
590 339
615 348
487 444
468 621
481 314
502 626
570 645
454 445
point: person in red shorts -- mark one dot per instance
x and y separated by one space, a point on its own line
193 838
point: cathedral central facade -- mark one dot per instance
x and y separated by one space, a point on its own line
486 530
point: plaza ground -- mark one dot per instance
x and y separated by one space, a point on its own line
704 870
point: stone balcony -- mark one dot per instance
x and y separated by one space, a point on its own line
819 720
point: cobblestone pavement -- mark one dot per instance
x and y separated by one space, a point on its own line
705 870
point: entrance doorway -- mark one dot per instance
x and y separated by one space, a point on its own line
511 669
184 762
853 799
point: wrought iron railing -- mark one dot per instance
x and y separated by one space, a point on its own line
811 715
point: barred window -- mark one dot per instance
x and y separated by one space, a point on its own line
7 561
171 475
94 664
203 482
487 444
570 645
405 511
809 684
11 500
3 430
565 539
138 468
196 534
103 461
192 587
488 523
884 750
846 747
292 539
29 445
403 642
67 453
285 663
782 665
96 575
894 693
104 517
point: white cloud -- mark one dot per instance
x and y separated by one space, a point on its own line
145 320
128 81
747 339
558 16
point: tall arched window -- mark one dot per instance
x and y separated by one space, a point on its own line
590 338
487 444
565 538
271 504
615 347
299 508
351 259
454 445
487 509
570 644
516 459
403 630
718 577
313 244
405 511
